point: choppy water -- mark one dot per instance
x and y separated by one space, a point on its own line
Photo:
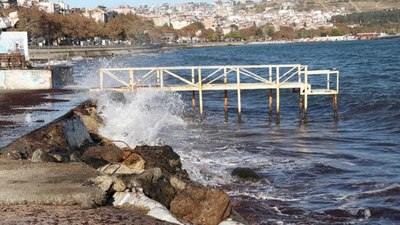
322 172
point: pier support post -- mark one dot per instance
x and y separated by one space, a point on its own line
306 90
132 79
300 106
278 110
226 104
305 112
193 92
239 97
270 104
158 78
200 94
225 96
101 79
335 107
193 100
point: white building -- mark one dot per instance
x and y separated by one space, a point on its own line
7 3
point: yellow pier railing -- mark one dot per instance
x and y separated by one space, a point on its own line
223 78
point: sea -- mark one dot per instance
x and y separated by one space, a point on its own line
322 171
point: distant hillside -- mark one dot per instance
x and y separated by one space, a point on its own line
390 16
329 5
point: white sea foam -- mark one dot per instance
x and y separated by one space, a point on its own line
28 119
142 117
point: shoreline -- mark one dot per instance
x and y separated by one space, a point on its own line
43 54
53 165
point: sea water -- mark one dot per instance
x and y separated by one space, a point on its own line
320 172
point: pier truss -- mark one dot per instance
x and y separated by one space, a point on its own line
223 78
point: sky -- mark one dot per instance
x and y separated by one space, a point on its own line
113 3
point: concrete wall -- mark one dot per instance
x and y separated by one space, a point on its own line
25 79
66 53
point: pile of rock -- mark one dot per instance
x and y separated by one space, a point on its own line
145 178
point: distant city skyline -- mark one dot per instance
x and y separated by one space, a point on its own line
115 3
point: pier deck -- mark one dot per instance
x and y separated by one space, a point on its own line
223 78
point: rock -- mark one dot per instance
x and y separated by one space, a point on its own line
161 191
177 183
103 182
338 213
75 157
123 178
107 153
95 162
150 175
163 157
75 132
116 168
246 174
42 156
126 152
59 158
134 162
145 179
117 96
89 117
119 185
201 205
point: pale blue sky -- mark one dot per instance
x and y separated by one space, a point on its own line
113 3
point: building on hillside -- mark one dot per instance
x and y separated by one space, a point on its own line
8 3
160 21
50 7
99 14
124 9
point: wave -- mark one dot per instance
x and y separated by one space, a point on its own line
142 117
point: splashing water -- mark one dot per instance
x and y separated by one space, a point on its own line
141 118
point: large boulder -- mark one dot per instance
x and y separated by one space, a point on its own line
246 174
134 161
163 157
42 156
107 153
89 116
75 132
201 205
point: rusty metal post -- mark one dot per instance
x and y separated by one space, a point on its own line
335 107
278 106
225 96
239 97
193 100
300 105
200 94
270 104
193 92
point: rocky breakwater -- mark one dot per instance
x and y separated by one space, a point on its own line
67 163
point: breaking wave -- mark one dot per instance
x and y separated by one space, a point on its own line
138 118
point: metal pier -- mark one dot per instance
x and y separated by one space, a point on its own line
223 78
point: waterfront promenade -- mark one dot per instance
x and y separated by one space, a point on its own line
70 52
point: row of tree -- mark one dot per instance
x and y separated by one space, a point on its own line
73 27
69 28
